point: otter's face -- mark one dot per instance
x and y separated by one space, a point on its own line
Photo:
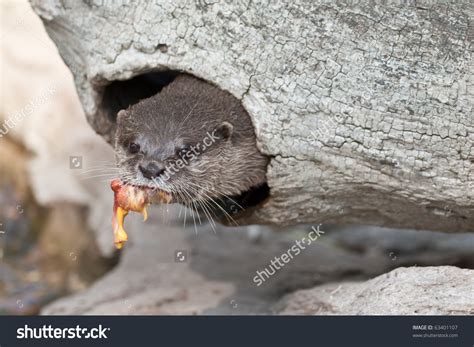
169 155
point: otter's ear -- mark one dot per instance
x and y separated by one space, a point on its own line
121 115
225 130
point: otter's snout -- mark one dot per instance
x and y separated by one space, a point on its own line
151 170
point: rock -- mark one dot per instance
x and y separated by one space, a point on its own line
40 110
443 290
148 279
42 196
69 248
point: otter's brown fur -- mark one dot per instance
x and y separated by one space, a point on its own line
157 131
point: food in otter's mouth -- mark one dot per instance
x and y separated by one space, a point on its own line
132 198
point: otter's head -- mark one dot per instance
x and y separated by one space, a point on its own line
177 149
192 140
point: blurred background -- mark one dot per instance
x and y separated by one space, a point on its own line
56 248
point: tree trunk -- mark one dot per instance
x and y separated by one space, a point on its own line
366 110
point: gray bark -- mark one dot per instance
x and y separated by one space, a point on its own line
365 109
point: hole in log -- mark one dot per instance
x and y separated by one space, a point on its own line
242 205
120 95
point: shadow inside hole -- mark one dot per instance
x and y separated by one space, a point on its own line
235 207
120 95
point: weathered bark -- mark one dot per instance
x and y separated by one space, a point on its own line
366 110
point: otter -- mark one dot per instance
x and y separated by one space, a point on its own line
191 140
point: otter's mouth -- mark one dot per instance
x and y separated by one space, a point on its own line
151 188
131 198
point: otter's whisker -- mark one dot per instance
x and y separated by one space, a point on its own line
228 217
110 176
209 197
97 171
219 193
194 209
209 217
191 211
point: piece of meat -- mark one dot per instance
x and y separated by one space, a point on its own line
131 198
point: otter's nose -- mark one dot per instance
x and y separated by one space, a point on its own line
151 170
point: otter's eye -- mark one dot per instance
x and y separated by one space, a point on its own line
181 152
133 147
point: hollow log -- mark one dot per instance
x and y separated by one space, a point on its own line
365 108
